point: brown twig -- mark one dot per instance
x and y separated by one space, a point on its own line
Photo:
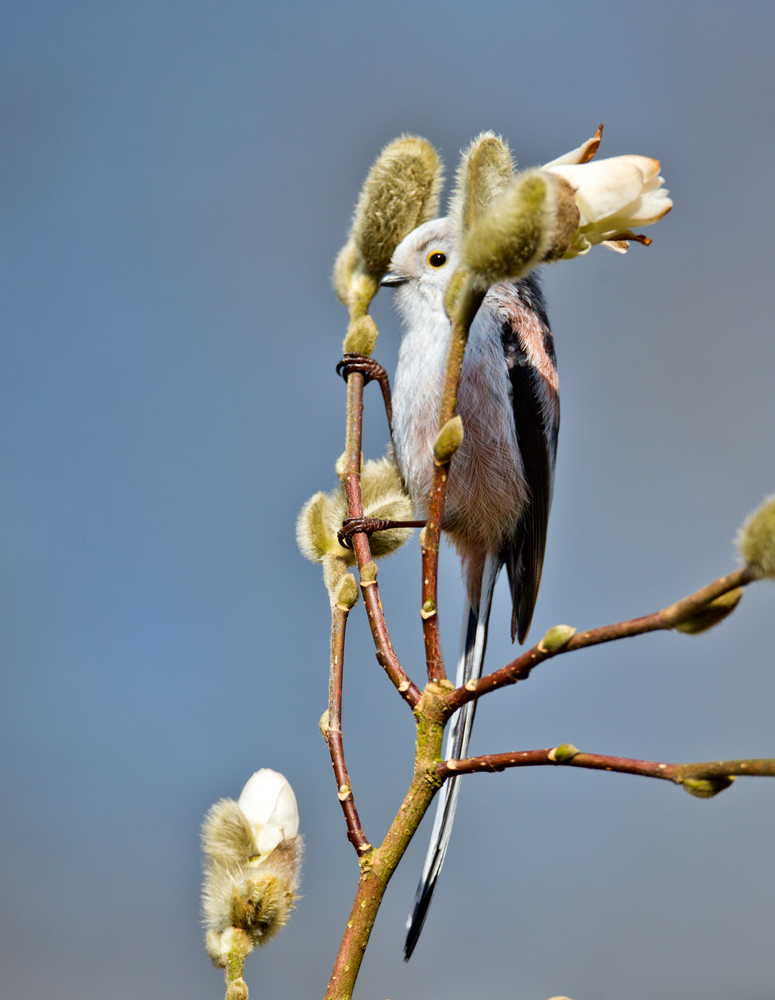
520 668
332 731
386 655
431 533
564 756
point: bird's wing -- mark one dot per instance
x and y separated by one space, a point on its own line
529 352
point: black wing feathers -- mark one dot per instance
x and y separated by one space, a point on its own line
524 553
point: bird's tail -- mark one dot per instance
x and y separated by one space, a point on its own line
473 643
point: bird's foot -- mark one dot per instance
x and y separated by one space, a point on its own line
368 525
363 365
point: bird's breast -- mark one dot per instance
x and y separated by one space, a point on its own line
486 491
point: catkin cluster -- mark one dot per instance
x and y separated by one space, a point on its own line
383 496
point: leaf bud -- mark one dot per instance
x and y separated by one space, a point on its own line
564 752
557 638
756 541
361 336
400 193
369 572
709 616
706 788
485 170
448 440
314 536
347 592
237 990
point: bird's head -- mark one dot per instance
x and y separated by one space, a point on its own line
423 263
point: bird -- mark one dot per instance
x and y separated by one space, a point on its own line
501 479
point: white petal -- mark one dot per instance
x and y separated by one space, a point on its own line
647 166
603 187
578 155
269 805
649 208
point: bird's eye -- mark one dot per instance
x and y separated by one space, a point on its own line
437 259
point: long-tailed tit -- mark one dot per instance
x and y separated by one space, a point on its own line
500 481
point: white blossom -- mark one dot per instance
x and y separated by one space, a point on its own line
269 806
613 196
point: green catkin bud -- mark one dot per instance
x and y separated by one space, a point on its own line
361 336
712 614
485 170
347 261
334 569
706 788
557 638
347 592
448 440
756 541
369 572
456 285
564 752
237 990
384 497
313 528
518 230
401 192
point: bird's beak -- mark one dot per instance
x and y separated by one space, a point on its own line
393 280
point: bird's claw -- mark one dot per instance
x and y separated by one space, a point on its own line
353 525
363 365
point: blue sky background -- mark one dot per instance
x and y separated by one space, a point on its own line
175 181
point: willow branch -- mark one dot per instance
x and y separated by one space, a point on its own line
431 533
556 756
520 668
332 731
386 655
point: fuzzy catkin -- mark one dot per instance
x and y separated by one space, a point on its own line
383 497
756 540
485 170
401 192
515 233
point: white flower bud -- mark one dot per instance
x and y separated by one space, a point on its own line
269 805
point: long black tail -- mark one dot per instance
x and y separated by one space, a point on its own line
473 643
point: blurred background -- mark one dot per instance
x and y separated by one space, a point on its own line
175 181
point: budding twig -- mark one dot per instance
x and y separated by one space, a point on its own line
333 731
431 534
520 668
386 655
709 771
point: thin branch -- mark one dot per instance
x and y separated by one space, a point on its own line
431 533
333 732
386 655
520 668
563 756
